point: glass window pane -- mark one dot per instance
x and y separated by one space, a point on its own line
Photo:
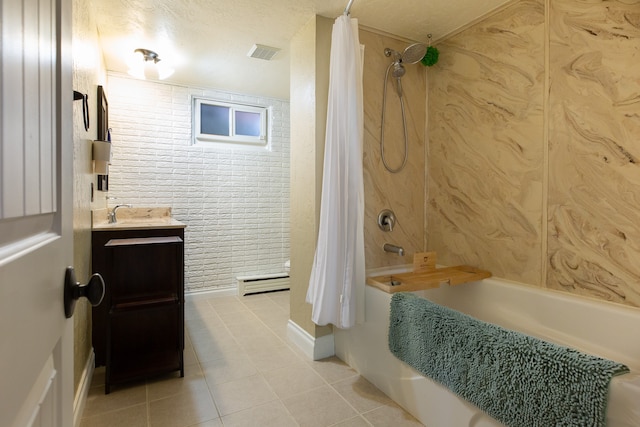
214 119
248 124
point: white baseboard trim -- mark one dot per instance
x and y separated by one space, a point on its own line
83 389
211 293
314 348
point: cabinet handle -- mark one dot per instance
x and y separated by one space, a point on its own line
73 290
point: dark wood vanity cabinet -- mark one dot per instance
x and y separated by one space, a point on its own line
138 330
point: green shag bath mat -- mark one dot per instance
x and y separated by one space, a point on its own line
517 379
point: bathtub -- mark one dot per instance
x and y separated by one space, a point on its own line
603 329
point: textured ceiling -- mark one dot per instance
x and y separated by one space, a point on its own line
207 41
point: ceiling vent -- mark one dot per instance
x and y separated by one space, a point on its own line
261 51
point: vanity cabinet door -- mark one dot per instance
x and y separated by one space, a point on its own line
144 269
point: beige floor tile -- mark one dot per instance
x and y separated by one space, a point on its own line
272 414
241 394
206 338
272 358
333 369
297 350
281 332
196 323
189 356
248 328
197 308
172 384
354 422
204 335
182 410
187 339
394 415
212 349
272 318
278 327
228 369
361 394
229 351
231 317
264 341
320 407
282 299
226 304
121 396
134 416
293 379
98 377
260 302
211 423
221 300
194 316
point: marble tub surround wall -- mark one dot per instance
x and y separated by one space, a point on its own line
542 190
594 149
403 192
486 150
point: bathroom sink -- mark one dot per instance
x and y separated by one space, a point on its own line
135 219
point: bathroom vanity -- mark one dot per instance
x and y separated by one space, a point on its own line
138 330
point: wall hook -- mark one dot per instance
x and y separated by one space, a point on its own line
77 96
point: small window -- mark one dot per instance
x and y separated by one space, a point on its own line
216 121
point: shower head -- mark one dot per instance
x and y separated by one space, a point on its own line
398 70
414 53
411 55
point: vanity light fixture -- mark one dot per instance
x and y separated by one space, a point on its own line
148 55
150 67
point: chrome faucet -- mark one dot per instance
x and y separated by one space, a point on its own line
112 215
388 247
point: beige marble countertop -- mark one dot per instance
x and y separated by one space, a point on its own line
135 219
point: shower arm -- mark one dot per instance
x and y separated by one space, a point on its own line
348 8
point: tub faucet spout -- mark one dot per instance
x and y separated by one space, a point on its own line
388 247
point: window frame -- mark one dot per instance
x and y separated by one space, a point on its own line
261 141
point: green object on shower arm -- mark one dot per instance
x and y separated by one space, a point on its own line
431 57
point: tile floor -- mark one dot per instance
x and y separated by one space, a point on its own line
240 370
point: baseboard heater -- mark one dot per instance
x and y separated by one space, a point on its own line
262 283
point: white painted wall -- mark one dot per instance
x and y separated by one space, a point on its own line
234 201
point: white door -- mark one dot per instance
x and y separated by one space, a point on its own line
36 152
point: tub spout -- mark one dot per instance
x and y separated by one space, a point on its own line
388 247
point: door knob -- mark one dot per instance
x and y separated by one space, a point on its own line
93 291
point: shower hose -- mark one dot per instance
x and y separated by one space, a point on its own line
404 123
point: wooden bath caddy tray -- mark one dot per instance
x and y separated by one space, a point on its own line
426 275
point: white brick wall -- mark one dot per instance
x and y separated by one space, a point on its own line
235 201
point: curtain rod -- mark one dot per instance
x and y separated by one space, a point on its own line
348 8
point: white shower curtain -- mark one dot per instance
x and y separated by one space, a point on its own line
337 278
